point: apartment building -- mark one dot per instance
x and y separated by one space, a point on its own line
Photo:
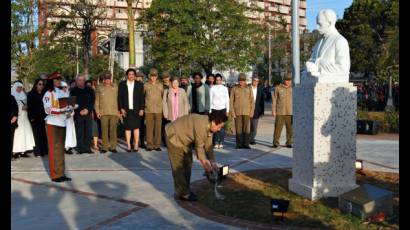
114 16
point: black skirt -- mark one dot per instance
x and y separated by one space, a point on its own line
132 120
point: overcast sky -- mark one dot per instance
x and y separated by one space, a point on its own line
313 7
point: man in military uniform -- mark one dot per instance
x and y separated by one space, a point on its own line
140 78
153 90
242 108
282 111
106 108
192 129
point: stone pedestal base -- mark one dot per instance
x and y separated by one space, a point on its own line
324 150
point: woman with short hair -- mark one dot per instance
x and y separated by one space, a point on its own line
219 97
175 101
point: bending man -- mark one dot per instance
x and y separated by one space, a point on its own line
192 129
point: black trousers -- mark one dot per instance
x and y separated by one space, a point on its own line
163 135
83 131
12 129
142 131
40 137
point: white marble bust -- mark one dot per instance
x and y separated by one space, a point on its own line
330 59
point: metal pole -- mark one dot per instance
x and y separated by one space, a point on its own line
390 99
76 51
295 42
270 56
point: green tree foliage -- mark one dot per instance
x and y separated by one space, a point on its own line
372 29
61 57
23 32
209 33
83 16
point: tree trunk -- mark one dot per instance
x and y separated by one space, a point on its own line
207 68
131 39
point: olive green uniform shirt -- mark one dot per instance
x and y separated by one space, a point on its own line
106 100
282 100
241 101
192 129
153 97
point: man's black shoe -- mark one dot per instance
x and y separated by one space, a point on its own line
158 149
148 149
239 147
64 178
25 155
69 151
274 146
289 146
252 143
113 151
103 151
246 147
189 197
193 195
143 146
58 180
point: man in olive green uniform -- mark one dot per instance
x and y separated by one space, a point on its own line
241 108
106 108
153 90
181 134
282 111
140 78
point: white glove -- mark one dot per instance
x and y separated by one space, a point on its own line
313 69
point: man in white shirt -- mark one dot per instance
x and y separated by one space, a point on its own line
259 110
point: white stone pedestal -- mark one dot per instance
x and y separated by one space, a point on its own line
324 150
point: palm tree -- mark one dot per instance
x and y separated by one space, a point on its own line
131 27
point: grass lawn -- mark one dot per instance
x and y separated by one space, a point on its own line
248 197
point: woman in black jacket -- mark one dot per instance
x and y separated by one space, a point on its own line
13 125
131 113
36 116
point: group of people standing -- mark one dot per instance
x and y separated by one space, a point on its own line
41 125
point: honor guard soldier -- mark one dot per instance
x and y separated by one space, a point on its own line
56 127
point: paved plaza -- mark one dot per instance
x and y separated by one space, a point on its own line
135 190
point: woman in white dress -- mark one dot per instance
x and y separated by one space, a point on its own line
23 136
70 137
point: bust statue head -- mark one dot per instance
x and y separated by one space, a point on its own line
326 21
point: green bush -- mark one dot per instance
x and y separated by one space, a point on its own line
391 120
388 120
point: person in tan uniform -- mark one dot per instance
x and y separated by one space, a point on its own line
106 108
153 91
188 130
282 111
241 108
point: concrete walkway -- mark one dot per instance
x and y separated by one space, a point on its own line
135 191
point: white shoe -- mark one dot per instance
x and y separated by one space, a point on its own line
216 146
221 146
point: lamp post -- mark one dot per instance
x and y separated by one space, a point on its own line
390 98
295 42
270 56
